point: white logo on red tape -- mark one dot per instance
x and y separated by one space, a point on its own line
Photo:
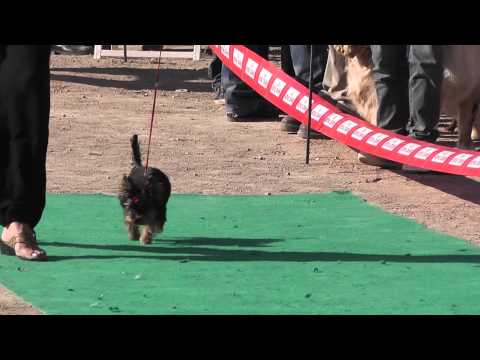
277 87
392 144
264 78
360 133
332 119
346 127
302 105
408 149
237 58
225 50
475 163
251 68
442 156
425 153
291 95
460 159
375 139
318 111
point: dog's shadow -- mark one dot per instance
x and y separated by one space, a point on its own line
199 249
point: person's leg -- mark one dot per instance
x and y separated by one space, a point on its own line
300 55
286 60
24 117
335 82
217 88
215 73
241 101
425 63
301 64
215 67
390 73
335 78
288 124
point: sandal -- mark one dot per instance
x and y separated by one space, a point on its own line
28 238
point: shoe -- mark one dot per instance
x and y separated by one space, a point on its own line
343 103
265 115
379 162
289 125
28 238
347 107
234 117
72 49
415 170
303 132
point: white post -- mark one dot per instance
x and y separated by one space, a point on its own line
196 52
97 52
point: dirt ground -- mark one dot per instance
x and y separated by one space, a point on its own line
98 104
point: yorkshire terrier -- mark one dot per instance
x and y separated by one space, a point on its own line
144 198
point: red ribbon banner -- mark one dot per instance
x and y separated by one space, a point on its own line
292 97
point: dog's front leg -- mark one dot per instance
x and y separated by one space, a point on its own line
132 228
147 235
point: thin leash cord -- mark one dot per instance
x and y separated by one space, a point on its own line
153 111
309 124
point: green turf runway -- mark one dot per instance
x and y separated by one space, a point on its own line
297 254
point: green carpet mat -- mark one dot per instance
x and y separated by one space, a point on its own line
294 254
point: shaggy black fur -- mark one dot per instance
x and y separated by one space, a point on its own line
144 198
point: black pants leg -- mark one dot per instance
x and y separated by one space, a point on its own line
215 72
286 61
24 118
240 98
301 64
425 63
408 80
390 73
214 68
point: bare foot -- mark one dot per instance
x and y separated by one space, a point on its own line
22 249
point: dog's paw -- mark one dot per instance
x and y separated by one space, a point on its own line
146 238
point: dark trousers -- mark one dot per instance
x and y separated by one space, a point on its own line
239 97
215 72
301 64
286 61
24 117
408 81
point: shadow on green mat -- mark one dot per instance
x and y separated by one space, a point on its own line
194 253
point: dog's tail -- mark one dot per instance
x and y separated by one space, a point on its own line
136 156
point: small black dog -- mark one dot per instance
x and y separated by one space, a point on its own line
144 198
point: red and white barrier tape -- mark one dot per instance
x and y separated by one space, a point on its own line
292 97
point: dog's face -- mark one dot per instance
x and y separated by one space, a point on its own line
133 200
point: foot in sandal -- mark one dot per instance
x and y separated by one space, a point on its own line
19 239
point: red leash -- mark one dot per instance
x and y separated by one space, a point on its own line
153 110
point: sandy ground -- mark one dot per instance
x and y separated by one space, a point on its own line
98 104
